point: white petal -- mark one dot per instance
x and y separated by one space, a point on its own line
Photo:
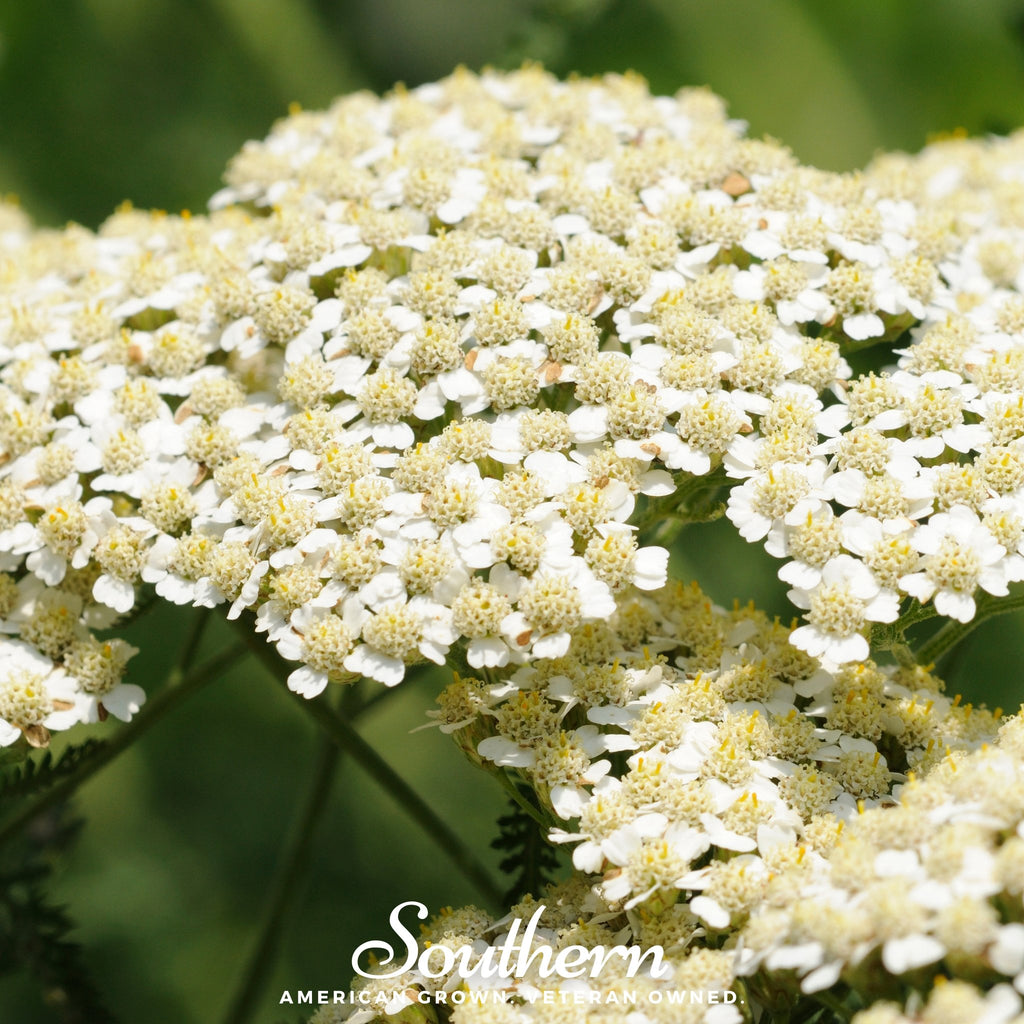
710 912
114 593
124 700
910 952
307 682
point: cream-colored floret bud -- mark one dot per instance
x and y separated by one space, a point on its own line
362 501
506 269
466 440
306 382
295 585
359 289
759 369
572 338
211 396
635 412
387 396
54 622
432 292
139 402
123 452
62 527
544 430
934 410
690 371
211 445
551 603
371 333
710 425
424 565
437 348
120 552
175 352
24 701
354 560
500 322
55 461
395 630
341 465
72 379
870 395
863 774
283 313
289 519
510 381
571 289
478 609
98 665
520 544
612 559
421 468
168 507
229 567
326 643
451 502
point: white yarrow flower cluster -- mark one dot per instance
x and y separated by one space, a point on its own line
418 380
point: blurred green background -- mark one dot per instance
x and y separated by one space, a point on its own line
104 100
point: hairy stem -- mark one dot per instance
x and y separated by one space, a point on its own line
890 636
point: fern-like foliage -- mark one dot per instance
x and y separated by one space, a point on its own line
34 933
530 859
36 774
34 937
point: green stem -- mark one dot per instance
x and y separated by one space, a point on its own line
508 783
345 736
889 636
193 640
953 632
672 512
283 889
180 686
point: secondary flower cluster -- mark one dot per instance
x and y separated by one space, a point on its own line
738 753
780 830
433 361
924 890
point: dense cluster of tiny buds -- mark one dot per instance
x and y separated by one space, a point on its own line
752 828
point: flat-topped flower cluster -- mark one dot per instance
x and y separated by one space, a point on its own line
439 377
432 360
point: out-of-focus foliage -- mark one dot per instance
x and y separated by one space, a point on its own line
102 100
